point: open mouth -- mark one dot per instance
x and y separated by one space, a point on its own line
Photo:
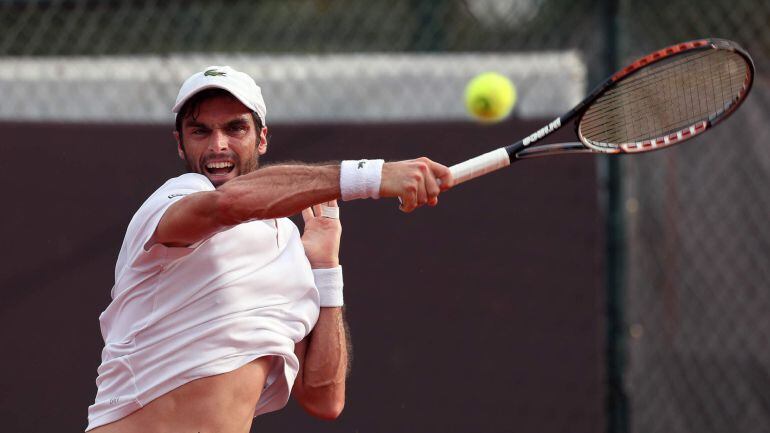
219 168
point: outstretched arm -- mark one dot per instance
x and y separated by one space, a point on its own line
283 190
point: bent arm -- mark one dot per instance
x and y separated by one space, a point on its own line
323 359
284 190
270 192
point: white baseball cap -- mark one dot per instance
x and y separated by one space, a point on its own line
237 83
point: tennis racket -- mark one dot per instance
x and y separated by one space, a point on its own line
661 99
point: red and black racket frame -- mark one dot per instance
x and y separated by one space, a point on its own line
522 149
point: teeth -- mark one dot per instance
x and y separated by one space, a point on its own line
219 165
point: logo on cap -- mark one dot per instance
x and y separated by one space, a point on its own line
214 73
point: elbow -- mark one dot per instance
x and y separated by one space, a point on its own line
333 410
326 410
326 404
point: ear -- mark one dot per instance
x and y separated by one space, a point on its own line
179 149
262 145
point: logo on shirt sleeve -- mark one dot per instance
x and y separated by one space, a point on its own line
179 194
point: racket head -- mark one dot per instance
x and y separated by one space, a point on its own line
667 97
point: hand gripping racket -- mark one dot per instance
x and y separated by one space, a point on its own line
659 100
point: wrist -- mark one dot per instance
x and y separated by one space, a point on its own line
361 178
329 283
324 264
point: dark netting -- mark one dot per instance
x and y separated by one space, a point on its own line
123 60
697 296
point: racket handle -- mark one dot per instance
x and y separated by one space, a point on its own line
480 165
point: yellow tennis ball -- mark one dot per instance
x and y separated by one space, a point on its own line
490 97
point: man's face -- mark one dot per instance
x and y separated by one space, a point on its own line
220 140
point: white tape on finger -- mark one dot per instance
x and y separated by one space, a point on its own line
330 212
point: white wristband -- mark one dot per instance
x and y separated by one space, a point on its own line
360 179
329 284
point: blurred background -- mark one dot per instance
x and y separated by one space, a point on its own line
568 294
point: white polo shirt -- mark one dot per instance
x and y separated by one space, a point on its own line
180 314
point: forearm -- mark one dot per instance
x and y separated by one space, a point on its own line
320 384
278 191
284 190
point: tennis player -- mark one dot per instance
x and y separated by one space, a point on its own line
220 309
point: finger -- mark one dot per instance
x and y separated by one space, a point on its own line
443 174
317 210
421 179
307 214
422 194
330 212
332 204
433 201
404 208
432 188
408 201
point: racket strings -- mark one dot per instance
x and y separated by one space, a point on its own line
652 76
612 120
620 95
642 81
674 94
666 97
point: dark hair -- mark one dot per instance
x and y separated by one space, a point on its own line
190 108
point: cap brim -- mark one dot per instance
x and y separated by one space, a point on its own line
240 98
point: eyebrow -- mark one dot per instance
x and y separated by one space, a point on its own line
238 122
196 124
193 124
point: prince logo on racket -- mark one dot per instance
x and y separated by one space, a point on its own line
542 132
220 308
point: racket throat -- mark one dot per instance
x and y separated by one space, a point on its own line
542 132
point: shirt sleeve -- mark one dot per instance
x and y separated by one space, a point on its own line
150 213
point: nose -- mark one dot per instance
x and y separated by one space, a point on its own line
218 141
